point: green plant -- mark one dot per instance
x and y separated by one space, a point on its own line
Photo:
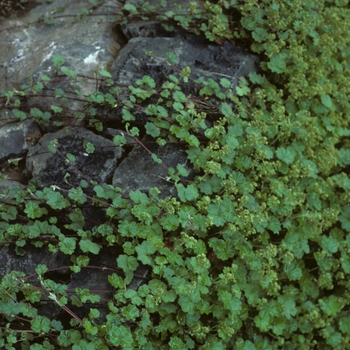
251 254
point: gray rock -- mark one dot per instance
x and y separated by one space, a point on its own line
83 44
138 171
50 169
153 27
17 138
87 46
31 259
205 60
5 187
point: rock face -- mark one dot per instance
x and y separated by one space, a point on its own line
51 168
145 173
17 138
87 46
205 60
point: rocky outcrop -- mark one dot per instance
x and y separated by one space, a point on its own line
89 45
51 168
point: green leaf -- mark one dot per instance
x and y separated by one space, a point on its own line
242 90
10 307
84 344
223 249
128 116
56 109
327 101
287 155
33 210
94 313
277 62
182 170
179 96
146 80
230 302
67 245
212 184
119 140
226 110
188 301
40 324
70 158
85 295
169 222
127 263
274 224
68 72
77 195
188 193
344 218
19 114
344 157
116 281
57 325
156 158
54 199
9 213
139 197
256 78
172 58
120 336
131 8
329 245
38 228
288 305
89 328
296 244
176 343
105 73
216 213
344 324
87 246
144 251
222 213
259 34
130 312
57 60
332 305
133 296
225 83
169 296
293 270
152 130
89 147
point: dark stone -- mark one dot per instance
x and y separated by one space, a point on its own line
17 138
138 171
94 46
50 169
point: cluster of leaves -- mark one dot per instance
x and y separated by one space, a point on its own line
254 252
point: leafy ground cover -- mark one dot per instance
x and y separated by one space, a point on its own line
254 252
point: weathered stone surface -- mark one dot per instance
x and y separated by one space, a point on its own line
17 138
149 29
87 46
153 28
31 259
83 44
51 168
208 61
7 185
10 7
138 171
